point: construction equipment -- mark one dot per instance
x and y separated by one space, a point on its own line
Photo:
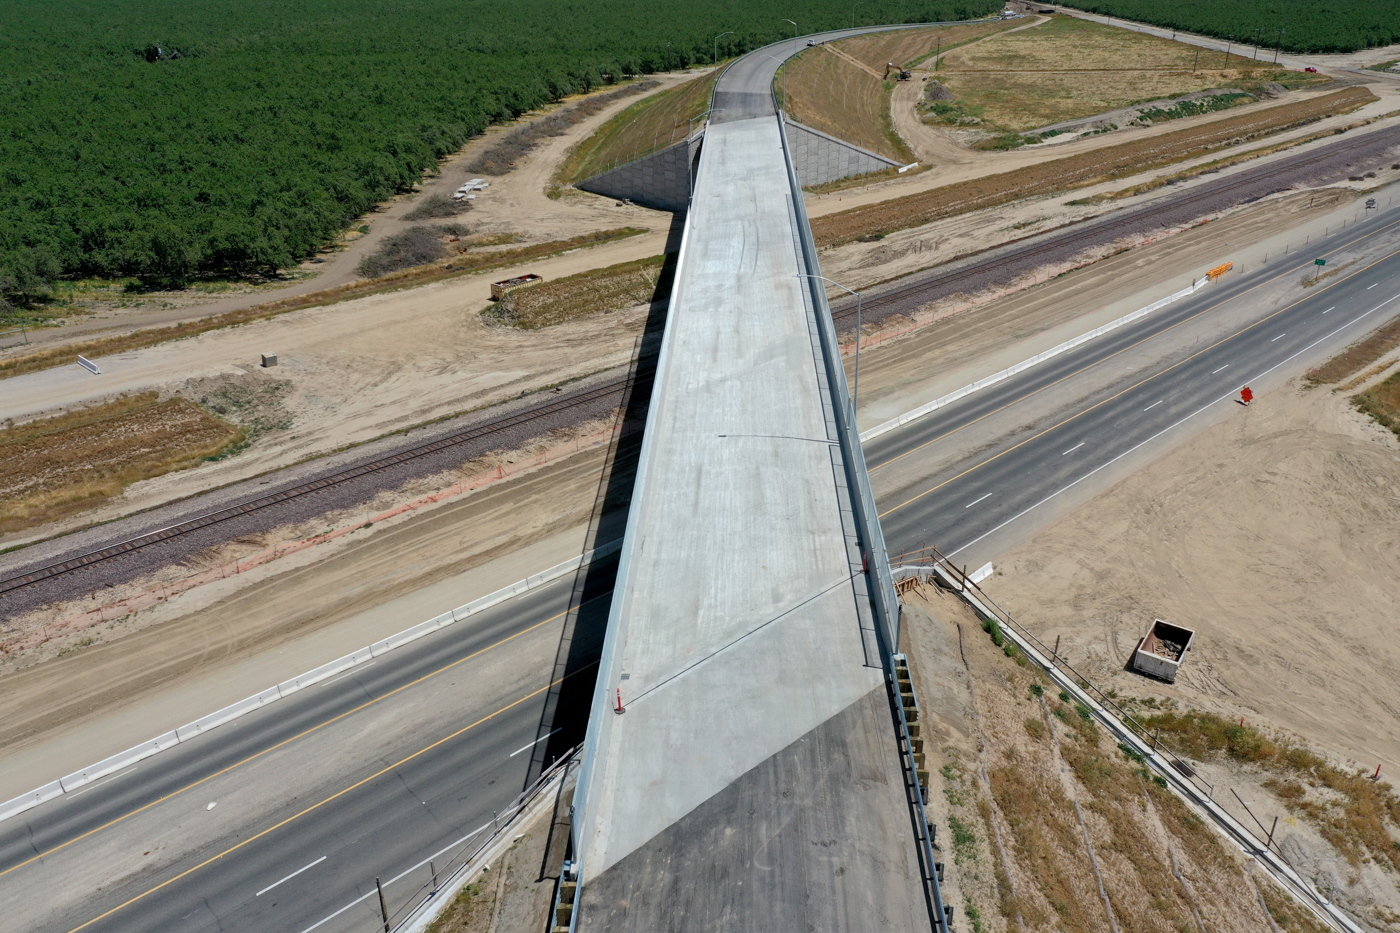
900 73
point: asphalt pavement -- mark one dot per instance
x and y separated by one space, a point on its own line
368 775
1106 411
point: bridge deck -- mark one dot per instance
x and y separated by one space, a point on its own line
753 781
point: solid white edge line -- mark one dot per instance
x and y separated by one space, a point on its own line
975 501
1073 343
533 744
291 876
34 798
1228 395
107 778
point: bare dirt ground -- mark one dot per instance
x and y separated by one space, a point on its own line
1273 535
1010 773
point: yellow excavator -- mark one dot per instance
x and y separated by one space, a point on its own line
892 69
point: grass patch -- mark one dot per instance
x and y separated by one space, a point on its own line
62 465
503 155
1382 403
1357 356
408 278
964 841
1077 171
597 291
643 128
1069 69
1356 815
469 910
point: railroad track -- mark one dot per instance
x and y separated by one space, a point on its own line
920 292
321 484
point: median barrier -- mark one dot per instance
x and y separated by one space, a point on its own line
114 764
1024 365
200 726
324 671
32 799
232 711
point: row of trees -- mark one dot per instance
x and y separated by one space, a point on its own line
1308 25
280 121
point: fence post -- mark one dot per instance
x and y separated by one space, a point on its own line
383 907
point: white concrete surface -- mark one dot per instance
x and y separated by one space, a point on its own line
735 626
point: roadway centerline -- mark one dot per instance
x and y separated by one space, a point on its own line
1136 385
1140 444
288 741
335 796
1150 336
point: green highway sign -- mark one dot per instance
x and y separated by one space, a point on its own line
1320 262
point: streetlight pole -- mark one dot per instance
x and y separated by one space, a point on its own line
794 36
853 12
855 392
782 64
717 38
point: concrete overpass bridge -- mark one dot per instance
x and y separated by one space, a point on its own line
748 762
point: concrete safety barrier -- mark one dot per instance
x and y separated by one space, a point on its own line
1024 365
185 733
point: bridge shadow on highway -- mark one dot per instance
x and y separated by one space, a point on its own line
565 709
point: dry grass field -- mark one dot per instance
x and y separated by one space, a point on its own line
1070 68
1077 171
598 291
1030 784
61 465
829 90
648 125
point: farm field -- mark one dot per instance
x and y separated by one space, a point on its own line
1070 68
1306 26
840 89
1076 171
235 141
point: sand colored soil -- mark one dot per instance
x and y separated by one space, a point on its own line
1012 773
839 88
1071 68
1273 535
1078 171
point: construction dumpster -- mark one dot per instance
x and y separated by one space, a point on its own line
1161 650
504 287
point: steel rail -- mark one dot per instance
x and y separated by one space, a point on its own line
1138 218
320 484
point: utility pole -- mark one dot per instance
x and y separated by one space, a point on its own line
1278 47
1257 31
938 54
1197 62
1227 51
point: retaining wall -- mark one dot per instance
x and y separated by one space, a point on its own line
820 158
660 180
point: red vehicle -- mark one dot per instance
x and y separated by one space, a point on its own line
1310 70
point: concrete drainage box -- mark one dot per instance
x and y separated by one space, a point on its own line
1162 649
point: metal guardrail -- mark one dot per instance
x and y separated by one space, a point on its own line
880 580
1177 771
411 905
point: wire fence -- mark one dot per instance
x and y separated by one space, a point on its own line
19 337
435 877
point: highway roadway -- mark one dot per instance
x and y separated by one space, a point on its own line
956 477
373 773
282 820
